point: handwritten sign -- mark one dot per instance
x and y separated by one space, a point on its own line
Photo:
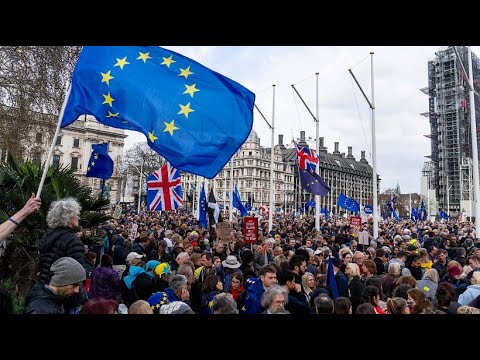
355 224
250 229
224 229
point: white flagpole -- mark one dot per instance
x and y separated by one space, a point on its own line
140 189
317 197
270 218
54 141
473 129
374 160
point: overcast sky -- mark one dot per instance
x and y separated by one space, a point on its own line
399 73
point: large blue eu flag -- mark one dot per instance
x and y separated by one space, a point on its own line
100 164
194 117
348 203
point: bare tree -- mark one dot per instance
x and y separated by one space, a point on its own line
33 81
140 154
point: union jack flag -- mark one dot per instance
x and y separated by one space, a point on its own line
164 189
307 158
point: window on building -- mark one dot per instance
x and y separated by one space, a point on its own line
39 137
59 140
56 161
250 153
76 143
74 165
37 158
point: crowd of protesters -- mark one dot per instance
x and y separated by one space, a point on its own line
173 266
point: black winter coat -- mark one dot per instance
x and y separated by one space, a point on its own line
57 243
42 300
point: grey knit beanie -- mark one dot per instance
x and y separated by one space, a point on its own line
67 271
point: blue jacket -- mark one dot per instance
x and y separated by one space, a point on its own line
254 294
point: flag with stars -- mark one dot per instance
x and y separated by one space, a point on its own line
100 164
194 117
348 203
202 208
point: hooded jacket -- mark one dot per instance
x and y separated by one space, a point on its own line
42 300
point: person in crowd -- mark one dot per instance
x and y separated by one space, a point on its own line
100 306
140 307
472 291
297 302
274 299
224 304
105 282
32 205
210 288
67 278
342 305
355 284
308 285
468 310
237 290
267 276
429 284
397 305
365 308
323 304
371 295
418 302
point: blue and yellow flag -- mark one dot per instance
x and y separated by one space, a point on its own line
194 117
100 164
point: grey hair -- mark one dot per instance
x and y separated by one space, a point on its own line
270 293
61 211
394 268
431 274
178 282
224 303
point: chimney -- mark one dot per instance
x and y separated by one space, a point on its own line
362 159
350 156
302 141
342 155
280 142
321 145
336 152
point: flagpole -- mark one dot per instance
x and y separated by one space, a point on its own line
374 157
473 129
54 141
140 188
231 190
317 197
270 218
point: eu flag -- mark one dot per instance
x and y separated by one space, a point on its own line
194 117
331 279
313 183
100 164
237 202
202 208
348 203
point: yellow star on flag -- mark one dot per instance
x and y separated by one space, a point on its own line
93 163
106 77
191 89
170 127
185 72
121 62
210 304
167 61
108 99
185 110
144 56
110 114
88 168
152 137
96 156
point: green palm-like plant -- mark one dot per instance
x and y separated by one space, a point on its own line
17 182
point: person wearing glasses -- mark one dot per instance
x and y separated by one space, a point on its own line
274 300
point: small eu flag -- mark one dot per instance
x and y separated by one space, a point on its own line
237 202
194 117
100 164
202 208
348 203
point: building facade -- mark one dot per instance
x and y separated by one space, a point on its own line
449 115
73 149
251 169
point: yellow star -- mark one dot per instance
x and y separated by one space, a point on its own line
185 72
96 156
106 77
191 89
108 99
88 168
93 163
170 127
110 114
144 56
210 304
152 137
121 62
167 61
157 306
185 110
